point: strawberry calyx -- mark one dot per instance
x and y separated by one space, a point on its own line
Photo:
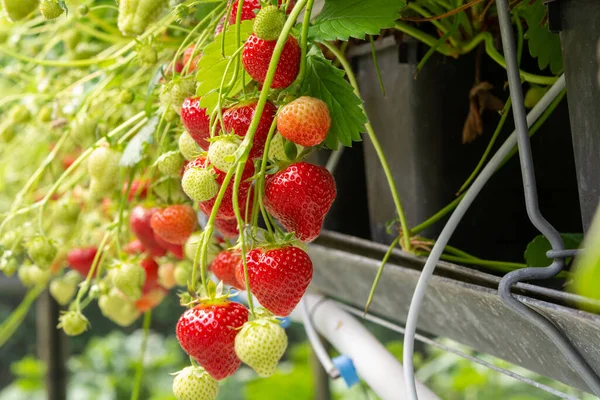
213 294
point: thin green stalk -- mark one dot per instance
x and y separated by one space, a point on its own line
501 266
86 285
459 253
14 320
260 182
505 112
57 63
376 64
378 149
440 24
304 41
444 211
139 371
379 273
433 49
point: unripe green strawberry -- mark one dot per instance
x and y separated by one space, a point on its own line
534 95
73 323
51 9
83 128
190 246
63 290
45 114
182 274
118 308
136 15
199 184
194 383
221 152
147 55
269 23
19 9
12 240
67 210
277 149
103 166
19 114
8 264
39 276
41 251
129 279
188 147
71 39
24 275
261 344
126 96
83 10
170 163
174 93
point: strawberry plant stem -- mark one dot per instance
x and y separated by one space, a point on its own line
139 370
304 42
10 324
486 153
97 261
380 154
379 273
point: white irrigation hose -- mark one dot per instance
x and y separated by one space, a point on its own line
449 228
373 363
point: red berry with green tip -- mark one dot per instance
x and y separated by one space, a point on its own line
196 121
278 277
207 333
225 265
237 120
299 197
257 55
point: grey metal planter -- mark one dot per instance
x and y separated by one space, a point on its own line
419 124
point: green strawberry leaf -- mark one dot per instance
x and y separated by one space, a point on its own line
586 279
342 19
535 254
134 151
326 82
213 64
543 44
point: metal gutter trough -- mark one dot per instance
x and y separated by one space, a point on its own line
461 304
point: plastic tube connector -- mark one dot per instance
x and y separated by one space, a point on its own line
347 370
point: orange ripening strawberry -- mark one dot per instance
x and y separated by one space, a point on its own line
196 121
139 189
207 333
237 120
304 121
256 58
187 56
299 197
174 224
224 267
278 277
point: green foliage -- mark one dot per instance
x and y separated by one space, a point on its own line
586 281
213 64
134 150
343 19
535 254
326 82
543 44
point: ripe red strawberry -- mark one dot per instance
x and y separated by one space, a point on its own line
226 207
238 118
151 268
249 9
207 333
196 121
174 224
228 227
278 277
224 267
304 121
175 249
81 259
139 189
134 247
187 56
299 197
256 57
139 221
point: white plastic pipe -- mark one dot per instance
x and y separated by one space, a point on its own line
373 363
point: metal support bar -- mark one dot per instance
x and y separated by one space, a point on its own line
570 352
